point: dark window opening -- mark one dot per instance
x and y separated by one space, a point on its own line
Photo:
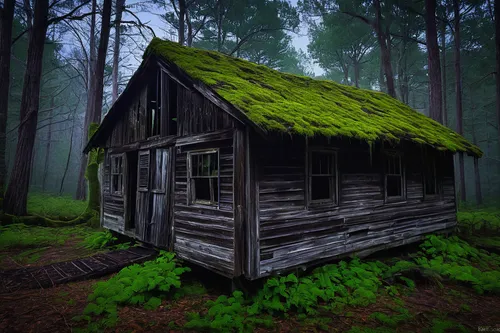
172 107
116 174
430 179
204 177
394 184
131 189
322 177
154 105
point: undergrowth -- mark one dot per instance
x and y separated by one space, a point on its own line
55 207
332 287
483 221
140 284
24 236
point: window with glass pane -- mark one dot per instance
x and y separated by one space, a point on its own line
116 174
394 184
430 178
322 177
204 177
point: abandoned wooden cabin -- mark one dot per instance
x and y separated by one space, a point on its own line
248 171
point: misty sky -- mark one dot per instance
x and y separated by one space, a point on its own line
300 40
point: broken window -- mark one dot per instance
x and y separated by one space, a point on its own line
203 173
430 179
322 177
117 174
394 181
154 105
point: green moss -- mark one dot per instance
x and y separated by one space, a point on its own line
295 104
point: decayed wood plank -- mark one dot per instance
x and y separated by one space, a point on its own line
239 200
206 137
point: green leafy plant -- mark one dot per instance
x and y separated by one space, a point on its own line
99 240
140 284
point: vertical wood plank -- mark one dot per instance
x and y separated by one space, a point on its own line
251 230
239 199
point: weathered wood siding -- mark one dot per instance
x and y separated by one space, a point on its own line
292 234
204 234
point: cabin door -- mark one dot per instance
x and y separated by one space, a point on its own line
153 204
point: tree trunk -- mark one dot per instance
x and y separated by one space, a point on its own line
189 30
434 65
497 42
17 190
182 18
443 72
384 50
68 159
356 73
116 49
48 146
477 176
6 20
458 92
101 62
81 189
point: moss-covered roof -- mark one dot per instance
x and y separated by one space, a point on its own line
297 104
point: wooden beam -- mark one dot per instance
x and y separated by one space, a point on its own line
239 200
205 137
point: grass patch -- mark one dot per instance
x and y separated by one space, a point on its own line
23 236
62 208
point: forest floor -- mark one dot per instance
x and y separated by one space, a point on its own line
440 305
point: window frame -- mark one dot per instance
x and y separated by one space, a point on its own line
112 174
191 200
437 195
402 176
334 182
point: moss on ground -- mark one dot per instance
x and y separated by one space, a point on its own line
301 105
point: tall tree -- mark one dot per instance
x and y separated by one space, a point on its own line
120 4
434 65
17 190
81 189
458 93
497 52
6 23
443 72
96 87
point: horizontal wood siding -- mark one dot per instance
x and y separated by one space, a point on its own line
204 234
292 234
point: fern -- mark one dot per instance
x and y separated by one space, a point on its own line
144 284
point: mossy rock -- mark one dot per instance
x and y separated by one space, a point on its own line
294 104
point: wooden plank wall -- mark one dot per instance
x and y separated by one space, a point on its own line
292 234
204 234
